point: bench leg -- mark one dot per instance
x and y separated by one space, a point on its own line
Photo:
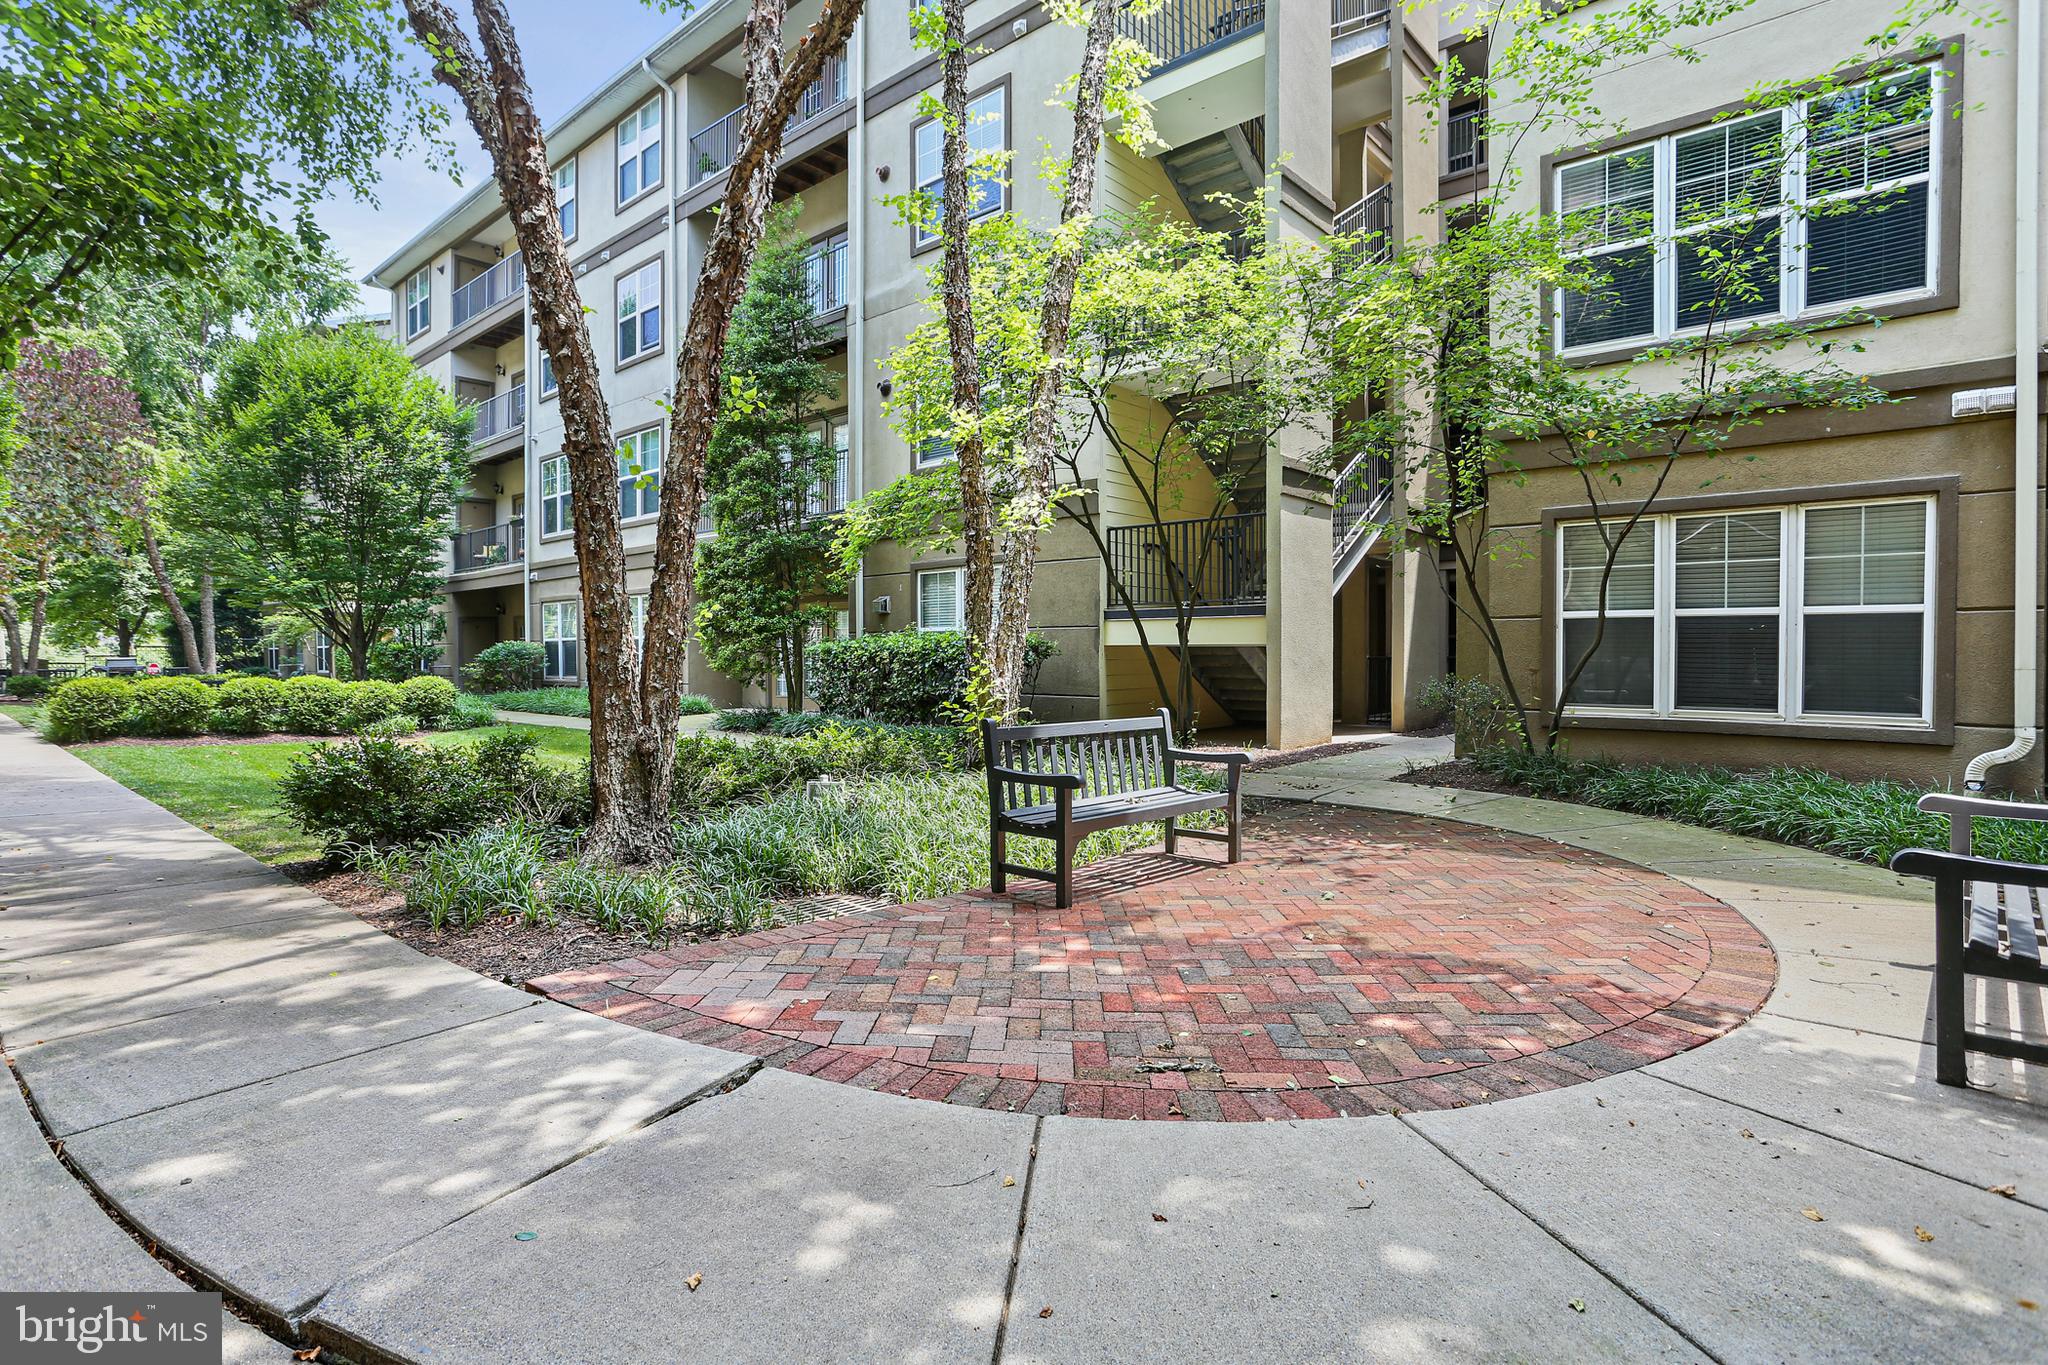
1172 836
1236 823
1951 924
998 854
1063 884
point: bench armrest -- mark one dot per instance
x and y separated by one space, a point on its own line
1981 807
1235 758
1053 780
1927 862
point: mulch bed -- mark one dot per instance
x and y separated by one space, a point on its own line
1468 776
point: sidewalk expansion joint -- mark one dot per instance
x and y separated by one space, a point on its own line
1017 1248
1563 1241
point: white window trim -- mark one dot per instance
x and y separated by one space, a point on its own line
1792 243
923 241
640 306
660 162
1791 613
958 574
570 613
424 278
634 438
549 386
573 200
562 498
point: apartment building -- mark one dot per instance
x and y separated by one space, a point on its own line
1839 591
1310 623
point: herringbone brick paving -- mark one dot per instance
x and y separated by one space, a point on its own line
1354 963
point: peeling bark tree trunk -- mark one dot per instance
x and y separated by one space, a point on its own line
209 638
635 693
1033 505
977 510
153 552
12 625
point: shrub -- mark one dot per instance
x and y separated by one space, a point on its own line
713 772
27 685
427 699
690 704
314 705
89 708
544 701
508 666
905 676
465 879
744 720
468 713
1481 715
394 726
792 724
249 706
376 791
366 703
170 707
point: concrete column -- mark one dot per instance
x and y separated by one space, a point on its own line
1299 658
1419 610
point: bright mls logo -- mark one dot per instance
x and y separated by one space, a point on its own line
160 1329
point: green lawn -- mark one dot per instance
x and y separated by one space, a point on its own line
231 789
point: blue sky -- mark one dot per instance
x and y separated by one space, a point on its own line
570 47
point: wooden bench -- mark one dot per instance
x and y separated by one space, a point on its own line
1063 782
1987 922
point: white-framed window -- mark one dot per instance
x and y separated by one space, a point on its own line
639 146
986 116
1828 203
636 606
561 630
639 311
941 599
1820 612
419 302
833 495
639 458
547 375
323 653
273 658
565 198
554 496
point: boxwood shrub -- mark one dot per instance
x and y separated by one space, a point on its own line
249 706
366 703
905 676
315 706
27 685
507 666
89 708
377 791
427 699
170 707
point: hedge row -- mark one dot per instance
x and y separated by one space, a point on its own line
103 708
906 677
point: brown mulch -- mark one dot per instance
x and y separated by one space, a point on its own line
1264 760
185 741
507 949
1466 776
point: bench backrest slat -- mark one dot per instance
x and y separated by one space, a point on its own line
1111 757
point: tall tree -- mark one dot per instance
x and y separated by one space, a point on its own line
1002 513
635 687
80 458
152 136
98 595
331 478
765 580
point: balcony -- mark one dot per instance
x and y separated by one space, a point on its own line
713 148
1355 16
1371 221
825 275
1465 140
498 416
1210 566
1181 30
505 280
490 547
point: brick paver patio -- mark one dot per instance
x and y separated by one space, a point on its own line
1354 963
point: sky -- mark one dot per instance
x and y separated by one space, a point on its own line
570 46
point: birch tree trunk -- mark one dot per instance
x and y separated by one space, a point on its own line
635 693
1032 506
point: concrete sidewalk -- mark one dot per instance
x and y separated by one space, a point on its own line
388 1156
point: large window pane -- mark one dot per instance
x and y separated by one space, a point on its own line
1866 556
1621 671
1728 561
1729 273
1631 587
1865 664
1622 307
1727 663
1871 246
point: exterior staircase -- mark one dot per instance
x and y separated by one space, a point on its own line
1231 162
1235 675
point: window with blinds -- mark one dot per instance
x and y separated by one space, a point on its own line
639 457
1819 612
941 599
561 625
1813 208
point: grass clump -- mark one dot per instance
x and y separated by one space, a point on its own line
575 701
1867 821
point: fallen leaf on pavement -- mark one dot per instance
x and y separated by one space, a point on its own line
1746 1133
1008 1181
1814 1214
1578 1305
1046 1311
310 1353
2028 1304
1158 1217
692 1283
1922 1233
2009 1191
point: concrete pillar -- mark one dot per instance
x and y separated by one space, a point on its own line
1353 638
1420 612
1299 660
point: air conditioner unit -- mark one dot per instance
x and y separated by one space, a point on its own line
881 605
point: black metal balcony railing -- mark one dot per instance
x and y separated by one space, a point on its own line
1371 221
499 415
1215 566
1359 494
825 275
1180 29
505 280
1464 141
490 547
713 147
1349 16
